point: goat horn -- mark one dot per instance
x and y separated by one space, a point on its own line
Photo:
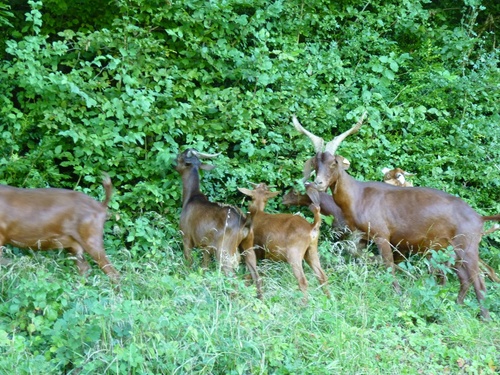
203 155
317 142
332 146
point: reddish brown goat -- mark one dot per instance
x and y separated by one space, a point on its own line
219 229
397 177
286 237
407 218
49 218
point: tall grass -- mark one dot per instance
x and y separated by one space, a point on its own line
168 319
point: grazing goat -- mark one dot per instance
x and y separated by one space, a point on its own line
219 229
416 218
327 205
396 177
50 218
287 237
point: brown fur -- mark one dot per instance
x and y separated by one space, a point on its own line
44 219
396 177
413 219
219 229
286 237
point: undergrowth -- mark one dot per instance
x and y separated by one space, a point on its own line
168 319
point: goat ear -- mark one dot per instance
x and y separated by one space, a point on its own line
272 194
207 167
246 191
308 167
344 163
313 193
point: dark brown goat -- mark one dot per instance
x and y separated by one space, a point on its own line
327 205
44 219
404 218
286 237
219 229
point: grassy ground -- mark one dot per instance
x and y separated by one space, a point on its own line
167 319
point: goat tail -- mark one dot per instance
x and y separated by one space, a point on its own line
313 194
108 188
315 209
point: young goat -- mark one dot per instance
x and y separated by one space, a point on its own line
404 218
287 237
219 229
49 218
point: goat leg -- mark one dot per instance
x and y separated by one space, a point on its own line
385 250
312 258
251 263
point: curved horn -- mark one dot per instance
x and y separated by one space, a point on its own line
332 146
203 155
317 142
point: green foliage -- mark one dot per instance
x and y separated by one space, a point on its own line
167 318
5 14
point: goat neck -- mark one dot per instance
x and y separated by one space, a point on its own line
188 165
257 205
191 185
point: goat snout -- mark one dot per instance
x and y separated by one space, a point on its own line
320 185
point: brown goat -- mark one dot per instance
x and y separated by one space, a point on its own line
286 237
395 217
50 218
219 229
396 177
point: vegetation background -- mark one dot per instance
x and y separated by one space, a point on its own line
122 86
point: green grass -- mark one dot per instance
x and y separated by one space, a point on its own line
168 319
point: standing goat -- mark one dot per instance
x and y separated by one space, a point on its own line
397 177
219 229
50 218
286 237
416 218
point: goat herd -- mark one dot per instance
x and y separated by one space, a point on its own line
391 215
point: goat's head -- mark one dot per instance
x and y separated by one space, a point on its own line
260 195
191 158
327 165
292 197
396 177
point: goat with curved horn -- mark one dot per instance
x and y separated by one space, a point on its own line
408 219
